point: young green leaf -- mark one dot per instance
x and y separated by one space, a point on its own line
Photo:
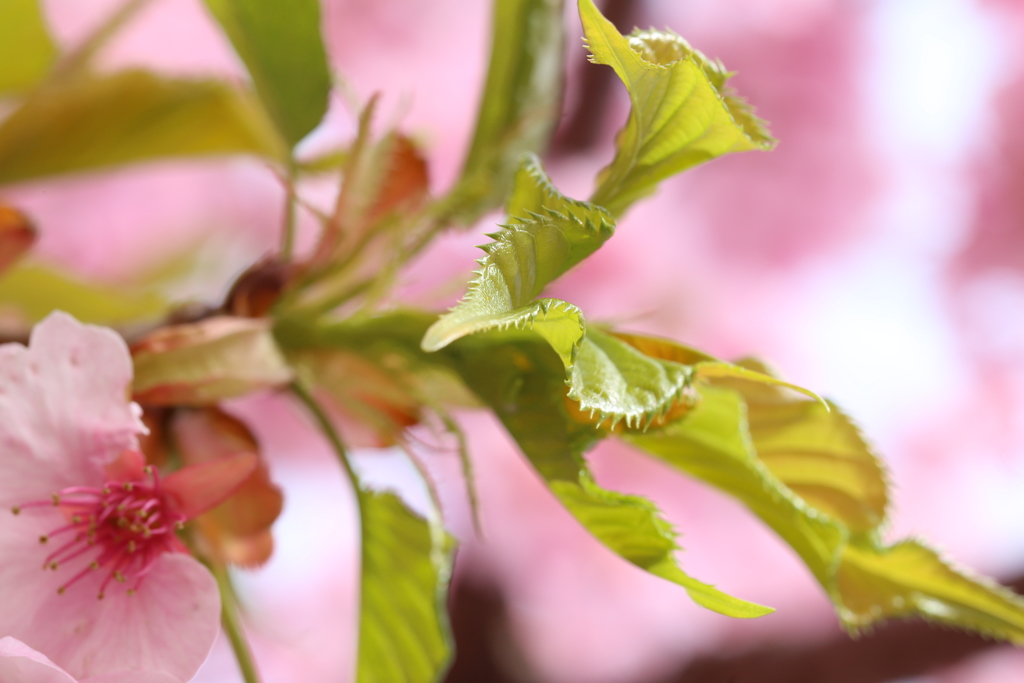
713 444
910 579
615 382
283 50
522 380
34 291
94 122
816 450
26 50
403 627
547 234
682 112
866 581
520 102
754 379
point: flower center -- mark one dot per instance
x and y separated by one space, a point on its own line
124 525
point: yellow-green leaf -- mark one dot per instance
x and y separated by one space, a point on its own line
518 375
26 50
547 234
283 50
682 112
615 382
816 450
520 378
33 292
713 444
100 121
866 581
403 625
910 579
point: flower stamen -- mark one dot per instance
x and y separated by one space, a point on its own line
127 524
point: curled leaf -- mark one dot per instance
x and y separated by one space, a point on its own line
519 377
616 383
548 233
682 112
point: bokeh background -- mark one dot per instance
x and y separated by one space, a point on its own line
876 256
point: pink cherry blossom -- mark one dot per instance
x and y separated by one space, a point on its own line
92 576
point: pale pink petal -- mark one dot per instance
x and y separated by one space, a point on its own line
64 407
21 664
200 487
167 627
132 677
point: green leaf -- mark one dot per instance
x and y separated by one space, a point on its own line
910 579
682 112
26 50
519 376
403 627
712 443
522 380
33 291
95 122
816 450
281 45
555 234
867 582
520 103
708 368
212 360
616 382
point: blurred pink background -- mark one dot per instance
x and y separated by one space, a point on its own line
876 256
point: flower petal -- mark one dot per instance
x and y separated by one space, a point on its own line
132 677
167 627
237 530
64 411
198 488
21 664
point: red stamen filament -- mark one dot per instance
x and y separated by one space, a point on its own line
127 523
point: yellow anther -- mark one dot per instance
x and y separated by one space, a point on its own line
76 519
43 539
56 499
53 566
16 510
127 486
60 591
94 565
119 577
